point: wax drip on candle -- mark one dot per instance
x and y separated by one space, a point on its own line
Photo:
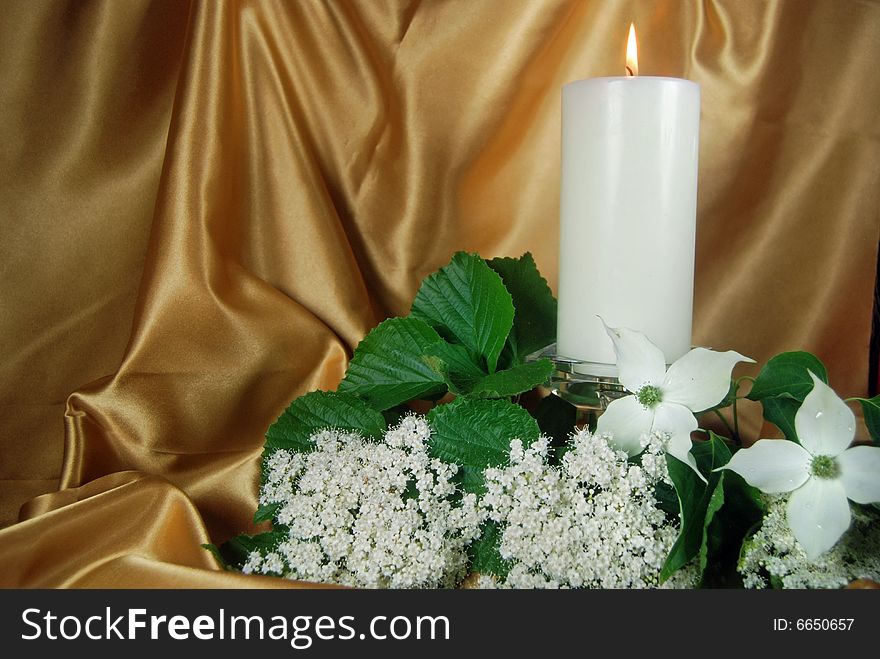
632 53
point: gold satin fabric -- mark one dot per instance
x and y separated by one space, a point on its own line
205 206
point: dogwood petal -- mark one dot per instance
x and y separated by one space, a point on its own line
772 465
626 419
860 473
678 422
701 378
818 514
824 424
639 362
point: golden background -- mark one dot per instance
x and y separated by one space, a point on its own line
205 206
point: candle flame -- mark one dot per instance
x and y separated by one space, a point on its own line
632 53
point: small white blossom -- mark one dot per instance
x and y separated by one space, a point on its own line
774 556
369 514
591 522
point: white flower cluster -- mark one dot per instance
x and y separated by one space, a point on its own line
369 514
774 556
591 522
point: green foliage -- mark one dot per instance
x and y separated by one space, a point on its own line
466 303
462 318
694 498
484 553
455 365
788 375
871 410
266 512
667 500
512 381
388 366
318 410
735 509
716 501
233 554
476 434
781 412
782 385
534 323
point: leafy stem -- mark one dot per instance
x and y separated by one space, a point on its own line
735 412
727 424
736 420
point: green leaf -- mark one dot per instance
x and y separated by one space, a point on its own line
464 377
726 530
388 366
455 365
694 497
318 410
871 410
513 380
234 553
782 385
476 434
556 419
714 505
534 322
781 412
466 302
788 375
266 512
667 500
484 553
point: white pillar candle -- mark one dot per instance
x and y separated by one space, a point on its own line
628 213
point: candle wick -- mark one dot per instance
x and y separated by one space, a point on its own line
629 72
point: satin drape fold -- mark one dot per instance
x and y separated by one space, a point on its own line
206 205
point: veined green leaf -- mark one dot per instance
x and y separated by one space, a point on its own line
266 512
726 528
781 412
694 497
871 411
318 410
455 364
476 434
716 501
514 380
667 500
484 553
234 553
467 303
534 322
463 377
788 375
388 366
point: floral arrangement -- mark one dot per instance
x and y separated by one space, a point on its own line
361 490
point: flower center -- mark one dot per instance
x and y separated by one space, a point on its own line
649 395
824 466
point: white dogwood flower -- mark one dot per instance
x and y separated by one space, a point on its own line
821 472
663 401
